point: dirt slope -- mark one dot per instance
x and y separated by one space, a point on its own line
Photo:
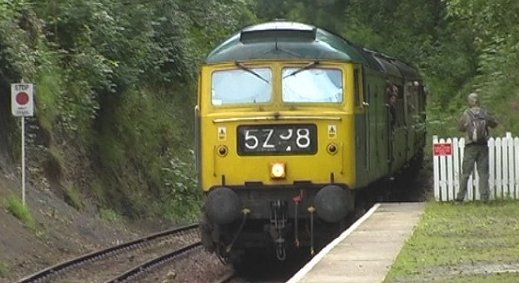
61 231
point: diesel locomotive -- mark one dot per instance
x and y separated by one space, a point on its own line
294 125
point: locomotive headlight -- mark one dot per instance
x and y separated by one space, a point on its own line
278 170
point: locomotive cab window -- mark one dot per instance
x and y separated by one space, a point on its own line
312 85
241 86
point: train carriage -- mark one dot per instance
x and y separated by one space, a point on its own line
292 122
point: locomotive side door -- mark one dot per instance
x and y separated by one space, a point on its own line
361 123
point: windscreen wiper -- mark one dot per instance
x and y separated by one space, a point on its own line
305 67
246 69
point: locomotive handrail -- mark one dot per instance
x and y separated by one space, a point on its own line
225 120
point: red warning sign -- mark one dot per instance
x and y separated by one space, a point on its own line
442 149
22 99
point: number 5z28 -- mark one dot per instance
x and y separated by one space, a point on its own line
277 139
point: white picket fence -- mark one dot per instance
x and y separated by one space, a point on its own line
503 169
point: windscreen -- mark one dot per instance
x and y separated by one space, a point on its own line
312 85
242 86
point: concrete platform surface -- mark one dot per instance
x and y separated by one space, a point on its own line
365 252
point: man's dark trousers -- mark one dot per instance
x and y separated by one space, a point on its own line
475 153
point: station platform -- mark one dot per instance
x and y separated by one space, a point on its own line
365 252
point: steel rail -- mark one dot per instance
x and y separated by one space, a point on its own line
41 275
154 263
227 277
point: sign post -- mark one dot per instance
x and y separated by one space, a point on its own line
22 104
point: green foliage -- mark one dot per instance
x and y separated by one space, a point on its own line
105 73
268 12
18 210
119 80
181 192
187 30
145 132
442 122
495 37
49 86
16 44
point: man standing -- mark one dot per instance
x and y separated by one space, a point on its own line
475 122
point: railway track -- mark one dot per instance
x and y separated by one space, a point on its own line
123 262
151 265
148 259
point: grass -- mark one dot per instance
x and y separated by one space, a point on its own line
4 270
471 242
18 210
109 215
73 197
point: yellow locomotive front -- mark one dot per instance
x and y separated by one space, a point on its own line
276 144
275 124
276 137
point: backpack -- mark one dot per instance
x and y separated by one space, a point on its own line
477 129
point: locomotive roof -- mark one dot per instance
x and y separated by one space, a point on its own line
286 40
289 40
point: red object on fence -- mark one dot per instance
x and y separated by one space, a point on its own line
442 149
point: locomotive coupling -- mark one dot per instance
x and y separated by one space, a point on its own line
333 203
223 205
